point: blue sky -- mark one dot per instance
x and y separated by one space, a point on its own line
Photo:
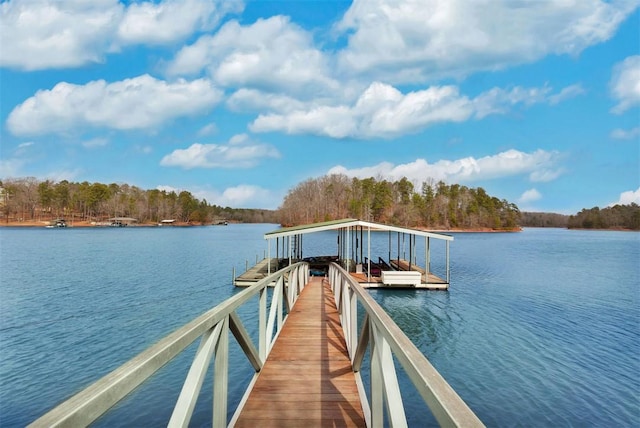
538 102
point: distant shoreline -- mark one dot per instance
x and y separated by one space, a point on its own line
88 224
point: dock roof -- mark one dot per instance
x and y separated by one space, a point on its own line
350 222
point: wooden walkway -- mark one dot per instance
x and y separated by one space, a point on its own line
307 380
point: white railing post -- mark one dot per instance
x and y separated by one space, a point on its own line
353 323
289 290
393 398
262 325
343 312
193 383
377 391
279 301
221 377
273 309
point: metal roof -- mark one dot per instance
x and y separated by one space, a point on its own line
349 222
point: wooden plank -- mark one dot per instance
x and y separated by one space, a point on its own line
307 379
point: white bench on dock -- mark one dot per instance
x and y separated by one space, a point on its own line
399 277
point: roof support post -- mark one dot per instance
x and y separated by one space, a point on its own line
448 269
369 253
348 252
269 257
361 245
389 247
427 257
410 252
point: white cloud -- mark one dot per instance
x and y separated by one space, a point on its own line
144 149
569 92
241 196
499 101
239 152
627 198
623 134
271 53
95 142
383 111
23 147
14 167
544 175
38 34
625 84
246 196
530 196
142 102
469 169
335 122
412 40
251 99
41 34
10 168
69 175
208 129
171 20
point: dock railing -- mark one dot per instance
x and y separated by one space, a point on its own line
213 328
385 340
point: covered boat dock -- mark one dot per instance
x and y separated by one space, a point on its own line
399 266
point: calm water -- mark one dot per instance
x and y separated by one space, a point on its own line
539 328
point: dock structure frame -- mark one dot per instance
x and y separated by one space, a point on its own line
351 246
376 335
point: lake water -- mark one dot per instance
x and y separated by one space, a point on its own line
539 328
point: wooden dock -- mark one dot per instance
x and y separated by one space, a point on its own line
256 273
307 379
432 281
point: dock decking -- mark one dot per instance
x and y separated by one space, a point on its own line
307 379
261 270
257 272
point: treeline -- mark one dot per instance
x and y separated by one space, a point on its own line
616 217
31 199
535 219
434 205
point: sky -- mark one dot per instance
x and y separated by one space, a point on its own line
536 101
